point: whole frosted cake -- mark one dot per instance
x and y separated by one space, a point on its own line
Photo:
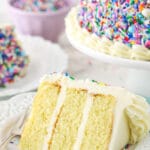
116 27
13 60
82 115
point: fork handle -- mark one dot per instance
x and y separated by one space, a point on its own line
4 145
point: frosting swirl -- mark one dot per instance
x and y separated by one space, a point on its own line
138 119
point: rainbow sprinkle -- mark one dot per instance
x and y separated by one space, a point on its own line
40 5
94 81
118 20
13 60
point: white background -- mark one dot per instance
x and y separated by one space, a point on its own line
3 6
4 15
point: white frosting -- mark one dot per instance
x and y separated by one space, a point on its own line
115 48
146 12
135 113
131 117
120 49
54 116
81 129
140 52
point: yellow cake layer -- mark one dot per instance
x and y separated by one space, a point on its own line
69 120
99 126
77 115
35 129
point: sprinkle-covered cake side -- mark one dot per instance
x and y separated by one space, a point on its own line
115 27
123 20
13 60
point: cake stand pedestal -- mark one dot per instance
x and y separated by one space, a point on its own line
137 73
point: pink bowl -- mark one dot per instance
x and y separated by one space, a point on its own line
46 24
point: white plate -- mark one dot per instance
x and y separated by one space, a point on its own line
108 58
16 105
13 109
45 58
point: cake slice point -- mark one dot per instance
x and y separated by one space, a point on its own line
35 129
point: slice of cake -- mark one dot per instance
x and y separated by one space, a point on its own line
115 27
13 60
70 114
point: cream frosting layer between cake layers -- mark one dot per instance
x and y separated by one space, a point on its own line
103 44
81 129
56 112
131 117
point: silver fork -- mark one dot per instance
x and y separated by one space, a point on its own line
16 131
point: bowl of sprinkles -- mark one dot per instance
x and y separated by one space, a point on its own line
40 17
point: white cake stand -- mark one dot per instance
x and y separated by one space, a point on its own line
137 77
